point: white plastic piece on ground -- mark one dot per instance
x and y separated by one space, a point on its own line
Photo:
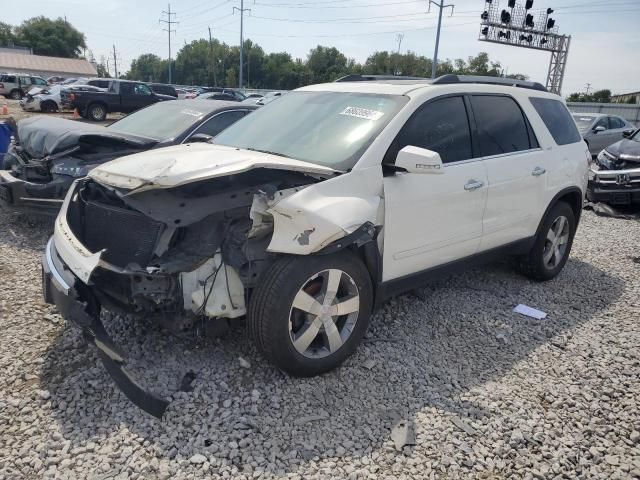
530 312
223 292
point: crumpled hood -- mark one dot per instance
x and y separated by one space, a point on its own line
177 165
626 150
43 136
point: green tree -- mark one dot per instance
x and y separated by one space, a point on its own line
601 96
56 38
148 68
325 64
6 34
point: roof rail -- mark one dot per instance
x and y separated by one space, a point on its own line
451 78
357 77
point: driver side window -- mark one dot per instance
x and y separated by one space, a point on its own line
603 122
141 89
441 126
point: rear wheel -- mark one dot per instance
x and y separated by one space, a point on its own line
552 246
308 314
97 112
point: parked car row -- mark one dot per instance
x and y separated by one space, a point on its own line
303 216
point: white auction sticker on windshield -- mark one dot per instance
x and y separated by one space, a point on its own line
362 113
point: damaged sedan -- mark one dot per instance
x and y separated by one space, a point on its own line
614 176
48 154
304 216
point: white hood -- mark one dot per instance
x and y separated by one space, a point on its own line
173 166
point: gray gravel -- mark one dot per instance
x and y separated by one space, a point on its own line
489 393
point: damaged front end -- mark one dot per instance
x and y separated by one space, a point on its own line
48 154
614 176
176 255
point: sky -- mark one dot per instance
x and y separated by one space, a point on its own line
604 52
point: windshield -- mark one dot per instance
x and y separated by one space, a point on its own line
583 121
326 128
160 121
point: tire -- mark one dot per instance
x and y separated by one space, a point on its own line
281 330
541 264
49 107
15 94
97 112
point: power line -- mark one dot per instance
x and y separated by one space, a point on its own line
168 22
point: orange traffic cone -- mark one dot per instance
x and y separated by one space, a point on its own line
5 109
76 114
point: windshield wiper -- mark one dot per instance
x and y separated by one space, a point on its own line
268 152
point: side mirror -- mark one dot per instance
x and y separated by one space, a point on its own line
627 133
419 160
599 128
200 137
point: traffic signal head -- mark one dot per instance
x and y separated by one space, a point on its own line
529 21
505 17
484 15
550 23
485 31
511 3
528 4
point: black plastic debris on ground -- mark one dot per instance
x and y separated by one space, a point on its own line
623 212
186 385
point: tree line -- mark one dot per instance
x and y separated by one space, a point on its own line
217 64
214 63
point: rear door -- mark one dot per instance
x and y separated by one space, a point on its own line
616 128
516 169
433 219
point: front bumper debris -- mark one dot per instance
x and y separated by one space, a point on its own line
75 303
17 194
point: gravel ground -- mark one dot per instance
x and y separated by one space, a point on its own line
490 394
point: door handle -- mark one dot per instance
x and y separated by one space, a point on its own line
538 171
473 185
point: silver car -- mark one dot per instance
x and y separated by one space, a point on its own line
600 131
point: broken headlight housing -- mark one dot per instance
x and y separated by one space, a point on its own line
607 160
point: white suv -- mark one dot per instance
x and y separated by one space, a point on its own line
306 215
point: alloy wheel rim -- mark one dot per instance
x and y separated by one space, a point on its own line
556 242
324 313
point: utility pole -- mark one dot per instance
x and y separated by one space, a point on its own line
212 59
241 10
399 37
441 6
588 88
115 62
168 22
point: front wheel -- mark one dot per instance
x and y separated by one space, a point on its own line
309 313
552 246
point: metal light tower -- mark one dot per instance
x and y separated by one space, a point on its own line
516 26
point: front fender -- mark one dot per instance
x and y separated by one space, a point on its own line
312 218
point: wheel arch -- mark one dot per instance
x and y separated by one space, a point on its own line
572 196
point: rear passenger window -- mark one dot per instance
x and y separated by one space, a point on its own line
557 119
501 125
441 126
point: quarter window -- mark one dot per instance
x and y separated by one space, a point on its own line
557 119
442 126
501 125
